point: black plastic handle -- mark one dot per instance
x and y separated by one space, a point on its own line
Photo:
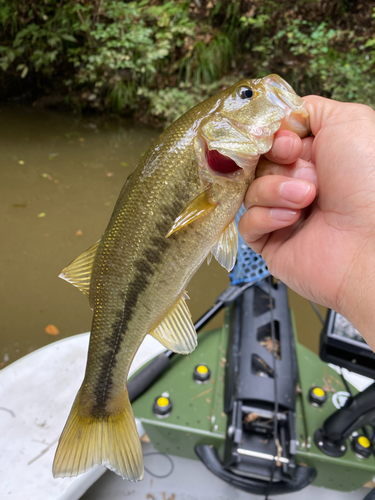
208 455
143 379
358 412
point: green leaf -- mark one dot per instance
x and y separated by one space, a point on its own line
68 38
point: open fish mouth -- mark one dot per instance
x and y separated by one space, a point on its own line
237 159
219 161
236 164
221 164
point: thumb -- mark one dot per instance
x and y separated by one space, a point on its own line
327 112
343 132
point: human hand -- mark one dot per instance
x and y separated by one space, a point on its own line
322 248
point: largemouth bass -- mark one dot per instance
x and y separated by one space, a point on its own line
177 206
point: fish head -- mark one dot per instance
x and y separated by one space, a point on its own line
242 125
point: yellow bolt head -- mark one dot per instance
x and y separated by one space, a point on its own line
202 369
162 401
318 392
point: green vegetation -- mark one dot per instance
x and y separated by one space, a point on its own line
157 58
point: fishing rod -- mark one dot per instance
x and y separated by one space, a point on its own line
249 270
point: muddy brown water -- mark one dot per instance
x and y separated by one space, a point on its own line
60 176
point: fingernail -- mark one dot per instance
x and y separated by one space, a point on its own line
306 174
282 147
294 191
282 214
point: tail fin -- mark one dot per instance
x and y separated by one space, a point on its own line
88 441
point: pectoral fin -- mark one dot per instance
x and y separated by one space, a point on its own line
78 273
176 331
201 205
225 250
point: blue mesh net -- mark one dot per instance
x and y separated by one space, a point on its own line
250 267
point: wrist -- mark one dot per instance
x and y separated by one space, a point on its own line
356 298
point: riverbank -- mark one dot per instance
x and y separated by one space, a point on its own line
153 60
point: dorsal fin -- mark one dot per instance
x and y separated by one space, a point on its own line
225 250
176 331
78 273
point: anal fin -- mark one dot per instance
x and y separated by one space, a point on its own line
225 250
176 331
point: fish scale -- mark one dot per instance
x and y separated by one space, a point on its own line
175 208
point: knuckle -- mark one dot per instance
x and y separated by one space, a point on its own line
362 111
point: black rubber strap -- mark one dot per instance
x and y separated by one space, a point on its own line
208 455
144 378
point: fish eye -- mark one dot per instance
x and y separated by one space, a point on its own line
245 92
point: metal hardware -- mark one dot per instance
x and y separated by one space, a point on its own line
265 456
263 413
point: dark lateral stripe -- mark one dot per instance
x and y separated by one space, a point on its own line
114 342
145 267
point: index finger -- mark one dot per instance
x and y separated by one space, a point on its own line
286 147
